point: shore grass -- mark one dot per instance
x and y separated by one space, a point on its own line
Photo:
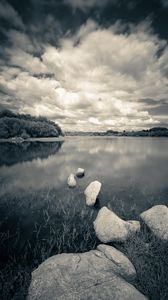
71 230
150 258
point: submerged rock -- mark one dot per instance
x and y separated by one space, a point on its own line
84 276
80 172
91 192
110 228
156 219
71 181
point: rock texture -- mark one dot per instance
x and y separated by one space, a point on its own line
86 276
80 172
123 264
110 228
156 219
91 192
71 181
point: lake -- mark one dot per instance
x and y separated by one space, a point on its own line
40 216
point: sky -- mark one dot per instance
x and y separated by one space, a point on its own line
89 65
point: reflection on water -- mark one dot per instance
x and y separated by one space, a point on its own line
11 154
37 209
133 170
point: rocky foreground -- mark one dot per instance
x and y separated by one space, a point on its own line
104 273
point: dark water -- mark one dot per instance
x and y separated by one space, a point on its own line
41 216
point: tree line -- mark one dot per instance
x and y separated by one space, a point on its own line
25 126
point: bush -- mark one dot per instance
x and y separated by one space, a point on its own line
12 125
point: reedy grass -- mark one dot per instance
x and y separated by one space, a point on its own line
70 229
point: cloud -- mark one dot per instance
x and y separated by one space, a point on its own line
20 40
46 28
85 4
94 121
97 79
164 3
7 12
26 61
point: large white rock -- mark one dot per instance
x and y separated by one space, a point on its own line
83 276
80 172
110 228
120 260
156 219
91 192
71 181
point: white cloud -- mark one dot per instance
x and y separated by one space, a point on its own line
100 78
26 61
94 121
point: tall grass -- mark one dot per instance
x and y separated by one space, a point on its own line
150 258
66 230
59 228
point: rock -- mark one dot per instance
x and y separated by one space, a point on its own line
84 276
91 192
80 172
120 260
110 228
133 227
156 219
71 181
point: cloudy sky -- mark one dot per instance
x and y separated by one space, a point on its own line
86 64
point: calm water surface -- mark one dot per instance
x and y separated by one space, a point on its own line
36 205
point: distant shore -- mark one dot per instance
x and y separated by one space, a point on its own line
63 138
153 132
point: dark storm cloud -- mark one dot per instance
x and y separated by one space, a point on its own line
155 107
45 19
86 63
9 14
159 110
164 3
153 102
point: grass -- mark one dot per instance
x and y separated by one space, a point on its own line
71 230
150 258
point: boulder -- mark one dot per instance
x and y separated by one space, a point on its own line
91 192
110 228
156 219
71 181
80 172
120 260
83 276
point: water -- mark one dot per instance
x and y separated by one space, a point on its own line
41 216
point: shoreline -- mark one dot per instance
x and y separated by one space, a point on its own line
63 138
29 140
